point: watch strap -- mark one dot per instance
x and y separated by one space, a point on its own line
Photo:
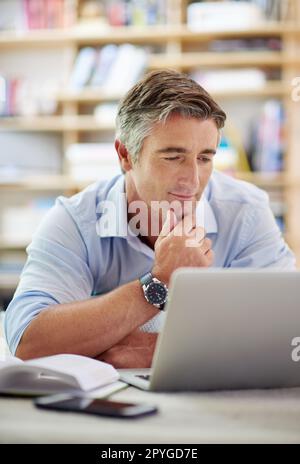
146 278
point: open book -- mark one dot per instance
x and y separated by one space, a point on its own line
59 373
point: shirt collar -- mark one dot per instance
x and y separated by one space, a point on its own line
114 222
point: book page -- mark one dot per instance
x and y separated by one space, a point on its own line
88 372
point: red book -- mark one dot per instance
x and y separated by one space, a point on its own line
12 97
60 13
51 14
27 14
55 14
35 13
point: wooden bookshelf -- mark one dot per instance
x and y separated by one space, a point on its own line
187 61
270 89
54 124
136 34
94 95
45 183
65 182
177 43
269 180
87 95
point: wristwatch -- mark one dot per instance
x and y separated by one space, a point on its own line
155 291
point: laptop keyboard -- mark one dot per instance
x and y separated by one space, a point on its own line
145 377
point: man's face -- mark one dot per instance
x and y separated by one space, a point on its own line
176 161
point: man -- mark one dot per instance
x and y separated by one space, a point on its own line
95 284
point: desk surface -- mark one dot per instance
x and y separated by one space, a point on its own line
250 416
257 416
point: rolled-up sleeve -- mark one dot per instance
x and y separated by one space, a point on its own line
56 271
261 242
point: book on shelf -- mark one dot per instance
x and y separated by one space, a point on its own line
231 156
42 159
128 66
225 80
246 44
11 15
27 97
19 222
70 373
113 69
56 14
105 59
83 67
92 161
223 15
227 157
237 14
268 140
9 96
136 12
37 14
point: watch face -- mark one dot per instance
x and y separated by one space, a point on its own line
156 293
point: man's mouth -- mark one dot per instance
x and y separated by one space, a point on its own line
180 196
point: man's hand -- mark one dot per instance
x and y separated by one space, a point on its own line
180 244
134 351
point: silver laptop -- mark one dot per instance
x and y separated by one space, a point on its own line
227 329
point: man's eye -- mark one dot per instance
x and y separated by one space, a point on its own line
203 159
171 158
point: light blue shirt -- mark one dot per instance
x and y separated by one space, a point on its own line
68 260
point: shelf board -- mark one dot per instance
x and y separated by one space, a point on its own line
270 89
97 34
9 281
269 180
133 34
54 124
38 38
192 60
82 35
8 246
45 183
87 95
264 29
65 182
95 95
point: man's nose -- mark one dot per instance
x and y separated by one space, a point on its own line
189 176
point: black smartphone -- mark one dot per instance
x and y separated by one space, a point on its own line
101 407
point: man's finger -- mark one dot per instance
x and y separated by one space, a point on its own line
197 239
169 223
206 245
185 226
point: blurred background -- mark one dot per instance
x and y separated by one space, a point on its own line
64 64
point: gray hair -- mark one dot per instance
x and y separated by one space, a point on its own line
154 99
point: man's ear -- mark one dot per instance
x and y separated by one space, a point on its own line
219 138
124 156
